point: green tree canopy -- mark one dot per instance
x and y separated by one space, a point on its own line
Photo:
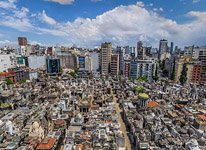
140 89
183 76
73 74
142 78
8 81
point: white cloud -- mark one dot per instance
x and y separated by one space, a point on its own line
140 4
21 13
151 4
63 2
21 24
122 25
7 43
16 18
155 9
8 4
195 1
135 23
45 18
161 9
96 0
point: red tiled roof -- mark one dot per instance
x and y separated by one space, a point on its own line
203 117
152 104
46 146
3 74
79 147
11 71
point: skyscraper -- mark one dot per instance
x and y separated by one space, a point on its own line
114 67
171 47
105 57
121 52
202 58
140 50
140 68
22 41
163 47
53 66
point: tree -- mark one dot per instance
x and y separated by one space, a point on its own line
142 78
73 74
156 74
140 89
131 79
8 81
61 70
162 64
22 81
165 72
183 76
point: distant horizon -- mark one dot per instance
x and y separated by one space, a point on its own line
96 47
88 23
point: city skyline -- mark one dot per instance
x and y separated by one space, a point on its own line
89 23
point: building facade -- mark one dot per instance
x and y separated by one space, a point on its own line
35 62
202 58
53 66
22 41
7 61
163 49
105 57
67 59
140 68
114 67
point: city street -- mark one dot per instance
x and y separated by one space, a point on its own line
122 124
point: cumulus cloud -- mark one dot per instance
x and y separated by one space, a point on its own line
122 25
134 23
161 9
22 24
45 18
195 1
22 13
62 2
8 4
140 4
96 0
7 43
17 18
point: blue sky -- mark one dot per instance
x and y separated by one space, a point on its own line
87 23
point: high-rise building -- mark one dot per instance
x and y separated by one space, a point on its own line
188 51
22 41
171 47
67 58
7 61
190 68
105 57
53 66
163 47
133 52
196 72
94 62
140 68
114 67
49 51
126 68
202 58
140 50
121 52
127 50
35 62
84 63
